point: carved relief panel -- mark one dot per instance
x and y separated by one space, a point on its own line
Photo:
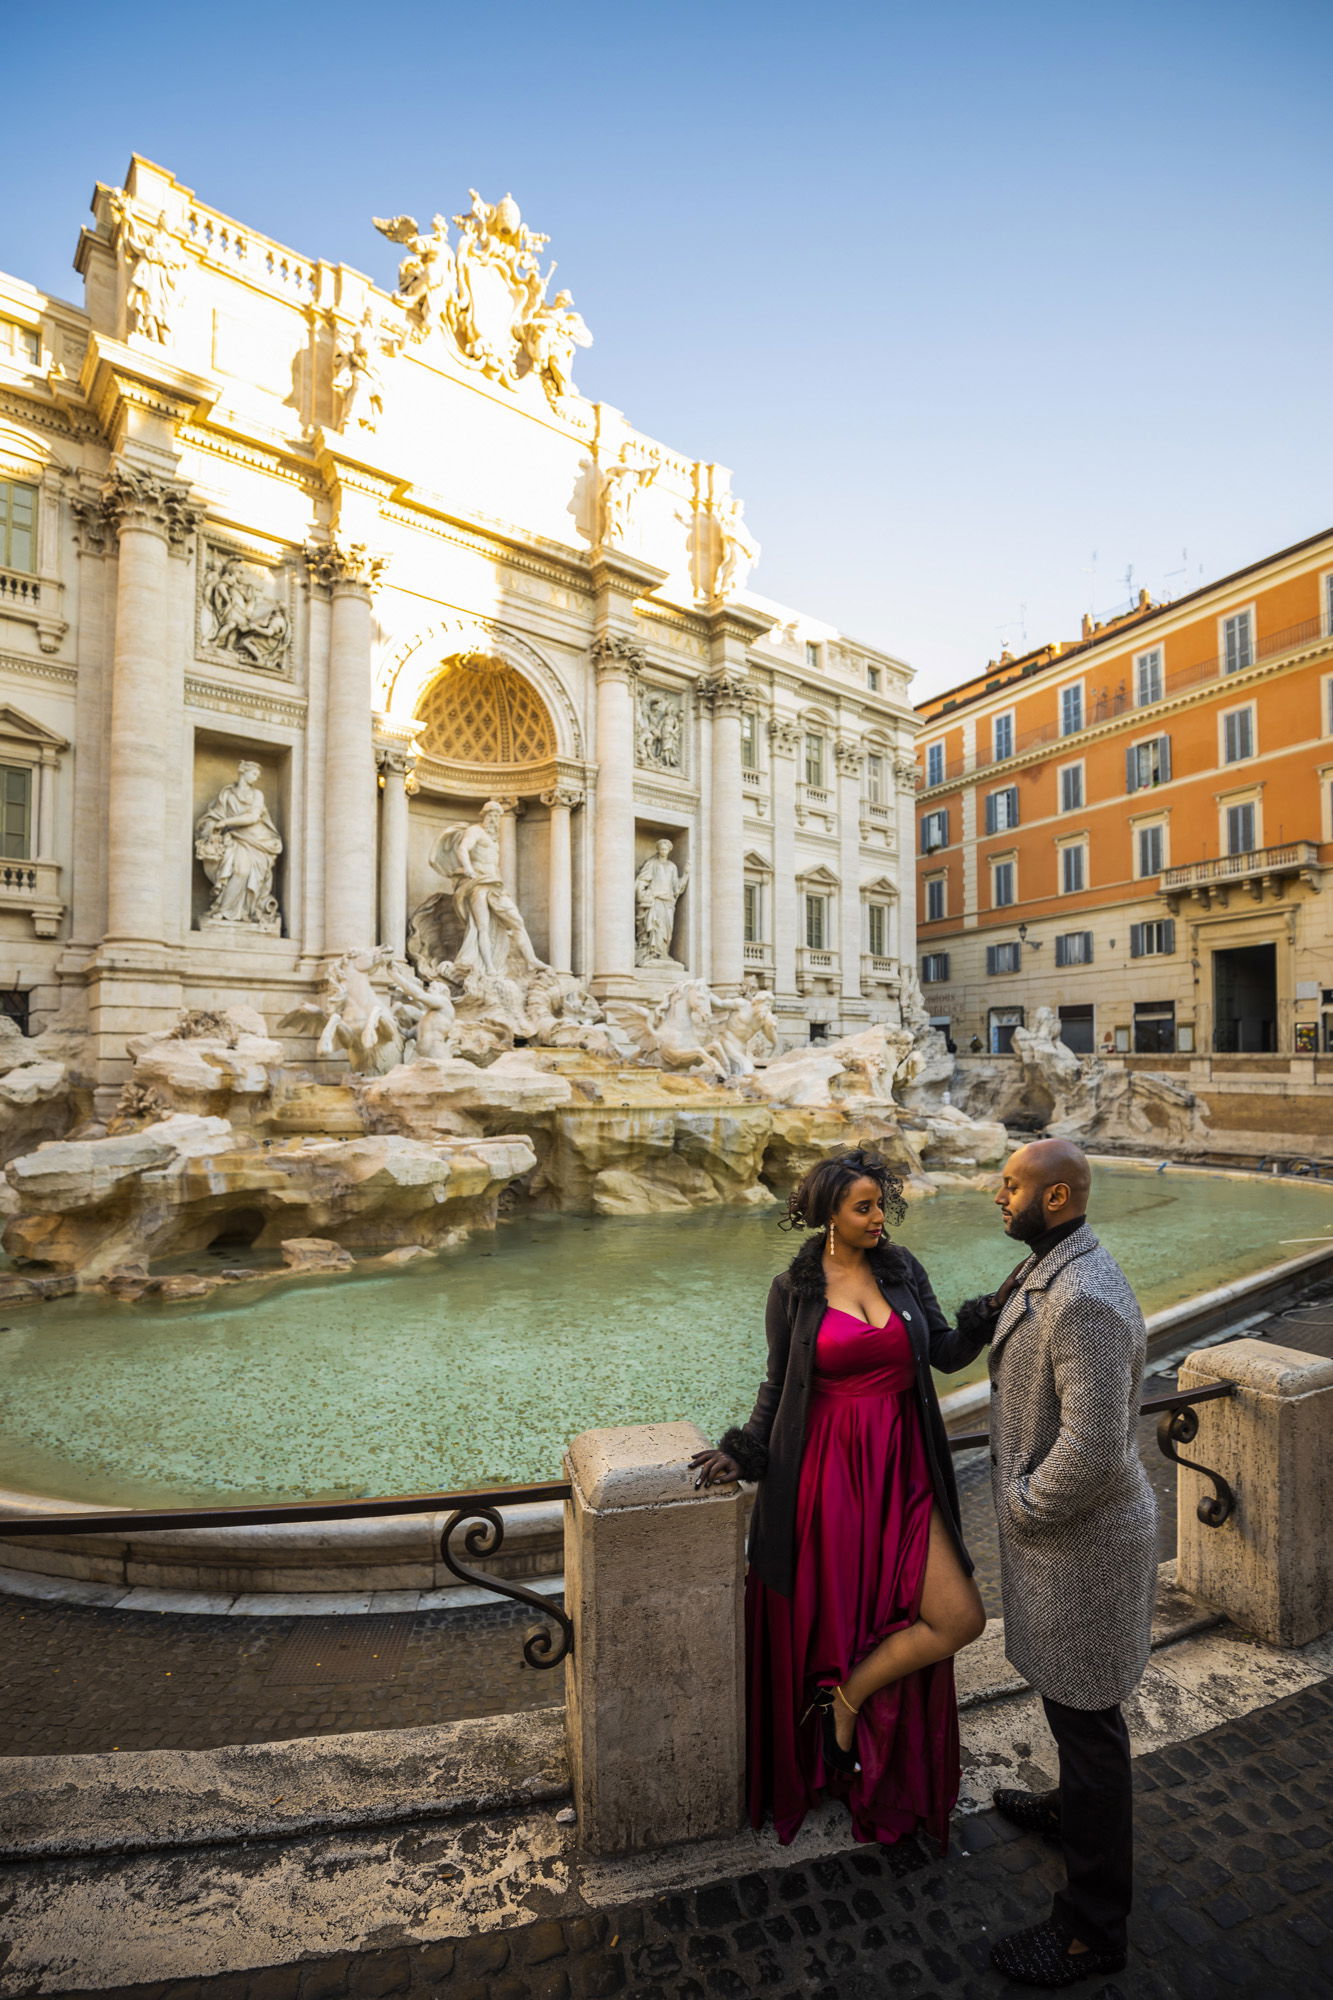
243 611
659 730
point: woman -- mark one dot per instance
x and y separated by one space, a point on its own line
860 1590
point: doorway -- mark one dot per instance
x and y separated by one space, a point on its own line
1245 1000
1003 1021
1077 1029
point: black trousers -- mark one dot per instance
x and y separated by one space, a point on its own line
1096 1822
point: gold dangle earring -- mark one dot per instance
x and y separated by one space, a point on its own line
832 1240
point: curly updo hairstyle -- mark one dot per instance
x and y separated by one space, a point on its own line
813 1204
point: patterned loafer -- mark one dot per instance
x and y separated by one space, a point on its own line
1035 1812
1040 1956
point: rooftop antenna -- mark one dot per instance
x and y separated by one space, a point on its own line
1129 581
1184 571
1090 571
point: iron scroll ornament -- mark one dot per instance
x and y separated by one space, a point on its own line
542 1647
1181 1426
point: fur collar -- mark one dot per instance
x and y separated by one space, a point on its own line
805 1273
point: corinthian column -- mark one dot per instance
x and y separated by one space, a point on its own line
725 694
396 766
349 762
848 757
784 737
155 520
617 662
560 891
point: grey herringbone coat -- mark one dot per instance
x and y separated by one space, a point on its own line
1078 1521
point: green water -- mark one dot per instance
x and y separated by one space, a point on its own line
477 1367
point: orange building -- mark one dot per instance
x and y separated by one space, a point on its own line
1135 828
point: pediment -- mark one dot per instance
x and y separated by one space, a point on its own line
818 878
16 727
881 886
757 864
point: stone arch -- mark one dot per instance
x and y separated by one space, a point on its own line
478 711
20 449
407 672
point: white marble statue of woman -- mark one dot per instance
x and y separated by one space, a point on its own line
238 844
658 888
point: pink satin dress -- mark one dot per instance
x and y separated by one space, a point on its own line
862 1532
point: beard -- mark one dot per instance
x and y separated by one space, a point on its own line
1026 1224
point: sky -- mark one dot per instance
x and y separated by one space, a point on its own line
999 312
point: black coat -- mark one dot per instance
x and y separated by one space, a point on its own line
770 1445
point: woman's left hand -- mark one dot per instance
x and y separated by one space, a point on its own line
714 1468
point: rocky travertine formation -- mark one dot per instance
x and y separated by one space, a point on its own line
212 1064
39 1096
102 1205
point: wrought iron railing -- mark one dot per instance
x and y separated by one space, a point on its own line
1176 1424
483 1539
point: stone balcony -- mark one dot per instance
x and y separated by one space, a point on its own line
33 888
1264 873
816 970
35 599
758 957
879 976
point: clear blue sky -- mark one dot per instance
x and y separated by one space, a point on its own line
963 292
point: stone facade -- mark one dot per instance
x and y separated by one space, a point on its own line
300 573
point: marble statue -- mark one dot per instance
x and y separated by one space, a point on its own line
354 1016
426 276
238 844
659 729
425 1014
238 616
622 483
658 888
737 550
674 1034
357 380
548 337
494 933
153 270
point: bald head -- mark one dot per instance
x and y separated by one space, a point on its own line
1043 1185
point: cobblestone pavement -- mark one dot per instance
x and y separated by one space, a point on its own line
1235 1898
81 1678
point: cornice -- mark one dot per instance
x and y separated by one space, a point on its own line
1138 719
492 547
46 417
38 670
257 703
257 458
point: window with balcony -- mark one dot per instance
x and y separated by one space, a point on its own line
1240 828
1073 869
1074 948
934 830
20 343
1002 737
1002 884
749 740
754 913
1237 642
815 761
1071 710
816 923
1148 680
877 923
1003 958
936 899
1328 604
1151 846
935 968
1071 788
1156 939
1237 735
874 778
18 526
1002 809
1147 764
934 763
16 811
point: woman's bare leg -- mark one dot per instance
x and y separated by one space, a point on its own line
951 1616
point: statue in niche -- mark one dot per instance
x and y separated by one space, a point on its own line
659 730
658 888
495 938
239 616
153 270
238 844
357 380
622 483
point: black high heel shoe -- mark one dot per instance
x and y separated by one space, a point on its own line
845 1762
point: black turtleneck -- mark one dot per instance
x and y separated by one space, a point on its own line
1042 1246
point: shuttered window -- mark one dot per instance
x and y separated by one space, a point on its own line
1003 957
1148 763
1237 735
934 968
1240 828
1074 948
1237 642
1073 870
18 526
15 812
1151 844
878 916
1002 809
935 830
1152 940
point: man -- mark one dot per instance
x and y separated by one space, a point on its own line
1078 1547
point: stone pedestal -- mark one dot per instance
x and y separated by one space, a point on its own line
1270 1567
655 1688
